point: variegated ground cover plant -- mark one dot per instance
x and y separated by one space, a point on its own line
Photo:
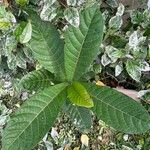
60 84
126 42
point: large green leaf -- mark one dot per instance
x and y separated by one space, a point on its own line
47 46
82 43
36 80
118 110
31 122
78 95
80 116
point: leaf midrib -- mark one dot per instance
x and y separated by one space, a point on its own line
81 96
118 109
82 45
35 118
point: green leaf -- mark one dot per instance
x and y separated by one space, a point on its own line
78 95
133 69
83 43
21 2
118 110
31 122
26 34
47 46
72 16
80 116
36 80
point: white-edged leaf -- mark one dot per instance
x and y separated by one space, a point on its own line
71 2
118 69
26 34
113 53
144 66
120 10
105 60
133 40
85 140
115 22
72 16
112 3
80 2
133 70
49 11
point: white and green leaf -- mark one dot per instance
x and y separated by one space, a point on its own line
72 16
26 34
118 69
133 70
49 10
115 22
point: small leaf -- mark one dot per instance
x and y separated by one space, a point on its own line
72 16
19 29
112 3
136 17
100 83
21 2
115 22
120 10
26 34
97 68
80 2
113 53
105 60
49 11
133 40
21 60
78 95
118 69
4 24
85 140
71 2
144 66
133 70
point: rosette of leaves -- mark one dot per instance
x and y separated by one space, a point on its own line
68 60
